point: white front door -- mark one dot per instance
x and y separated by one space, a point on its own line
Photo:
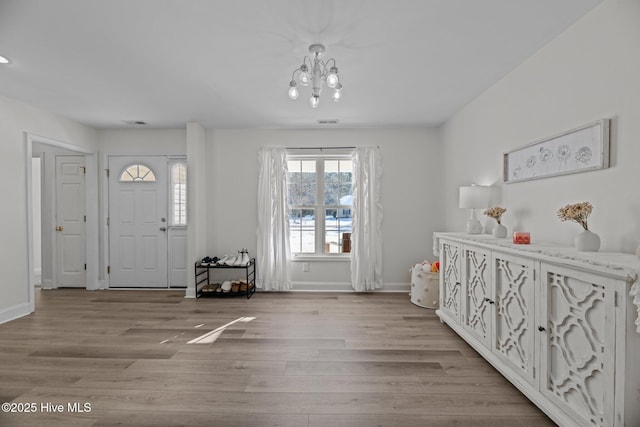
138 221
70 222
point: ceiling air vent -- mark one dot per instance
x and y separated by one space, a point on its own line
328 121
134 122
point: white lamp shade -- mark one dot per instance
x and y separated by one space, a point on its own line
474 196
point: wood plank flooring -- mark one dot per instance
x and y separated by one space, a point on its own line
304 360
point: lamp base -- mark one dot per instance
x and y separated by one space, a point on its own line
474 226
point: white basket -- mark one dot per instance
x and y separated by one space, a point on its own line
425 288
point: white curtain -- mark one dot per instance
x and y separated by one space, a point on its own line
366 236
273 256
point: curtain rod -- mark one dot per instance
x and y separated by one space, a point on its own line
319 148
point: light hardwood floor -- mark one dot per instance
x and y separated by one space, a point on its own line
307 359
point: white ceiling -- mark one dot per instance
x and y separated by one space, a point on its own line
228 63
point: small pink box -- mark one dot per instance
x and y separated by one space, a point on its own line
521 238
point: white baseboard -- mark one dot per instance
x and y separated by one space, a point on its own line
14 312
345 287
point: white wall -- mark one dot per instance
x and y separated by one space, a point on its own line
410 194
589 72
16 118
143 141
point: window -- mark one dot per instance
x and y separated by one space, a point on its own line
178 172
320 204
137 173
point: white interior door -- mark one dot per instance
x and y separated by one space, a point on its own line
70 222
138 221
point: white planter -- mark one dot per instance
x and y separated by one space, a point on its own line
587 241
500 231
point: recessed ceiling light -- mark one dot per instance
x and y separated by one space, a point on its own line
134 122
3 60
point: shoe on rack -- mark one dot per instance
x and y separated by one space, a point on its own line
235 287
226 286
231 260
205 261
238 262
223 260
245 258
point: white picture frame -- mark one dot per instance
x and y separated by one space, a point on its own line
583 149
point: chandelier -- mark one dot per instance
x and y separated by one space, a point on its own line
316 72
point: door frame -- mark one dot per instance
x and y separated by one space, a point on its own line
92 210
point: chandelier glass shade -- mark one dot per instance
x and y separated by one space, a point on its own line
316 72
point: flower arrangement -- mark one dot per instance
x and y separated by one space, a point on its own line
495 213
578 212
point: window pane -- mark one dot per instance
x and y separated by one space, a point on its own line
302 228
137 173
337 223
179 194
301 180
337 182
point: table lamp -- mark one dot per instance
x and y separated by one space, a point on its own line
474 197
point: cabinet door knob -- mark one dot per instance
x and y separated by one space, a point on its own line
541 328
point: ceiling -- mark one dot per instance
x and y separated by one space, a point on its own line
228 63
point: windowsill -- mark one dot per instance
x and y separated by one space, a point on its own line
321 258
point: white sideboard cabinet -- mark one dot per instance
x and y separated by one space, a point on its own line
559 324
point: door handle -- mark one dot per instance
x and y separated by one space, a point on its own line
59 228
163 228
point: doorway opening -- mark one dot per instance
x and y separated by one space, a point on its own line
65 257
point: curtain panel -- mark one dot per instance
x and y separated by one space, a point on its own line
366 237
273 254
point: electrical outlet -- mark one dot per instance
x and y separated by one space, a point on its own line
305 266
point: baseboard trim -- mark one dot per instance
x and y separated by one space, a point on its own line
12 313
345 287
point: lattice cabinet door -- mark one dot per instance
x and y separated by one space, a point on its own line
577 335
513 339
476 293
450 287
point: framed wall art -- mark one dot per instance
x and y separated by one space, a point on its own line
578 150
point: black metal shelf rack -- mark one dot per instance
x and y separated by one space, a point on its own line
203 279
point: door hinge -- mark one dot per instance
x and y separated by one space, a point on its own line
534 372
85 266
108 269
108 222
85 218
615 298
84 169
107 170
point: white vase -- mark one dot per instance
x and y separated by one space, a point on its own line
587 241
500 231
